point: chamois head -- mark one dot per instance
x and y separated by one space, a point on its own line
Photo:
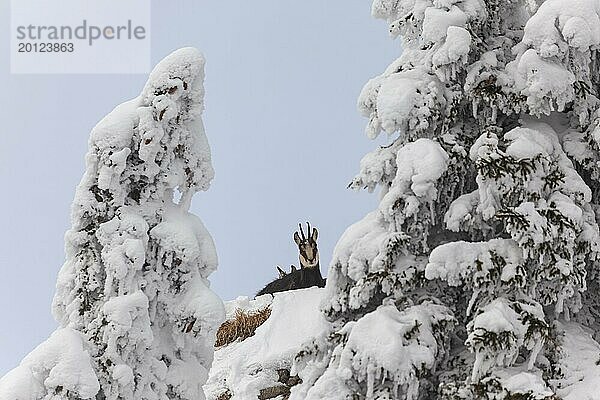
307 247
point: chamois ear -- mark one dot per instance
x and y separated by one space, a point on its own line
297 238
281 272
315 234
293 268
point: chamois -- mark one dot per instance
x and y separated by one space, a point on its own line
309 273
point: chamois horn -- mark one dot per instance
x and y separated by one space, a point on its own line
302 232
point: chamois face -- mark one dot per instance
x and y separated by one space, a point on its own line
307 247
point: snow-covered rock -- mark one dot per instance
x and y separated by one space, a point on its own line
244 368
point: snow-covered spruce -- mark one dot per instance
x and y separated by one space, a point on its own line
489 191
137 318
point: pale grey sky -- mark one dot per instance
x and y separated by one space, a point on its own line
282 82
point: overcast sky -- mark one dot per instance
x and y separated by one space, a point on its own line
282 78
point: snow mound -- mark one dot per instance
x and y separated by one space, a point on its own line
244 368
580 363
247 305
59 363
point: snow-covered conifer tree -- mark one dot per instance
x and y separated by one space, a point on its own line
137 318
462 283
